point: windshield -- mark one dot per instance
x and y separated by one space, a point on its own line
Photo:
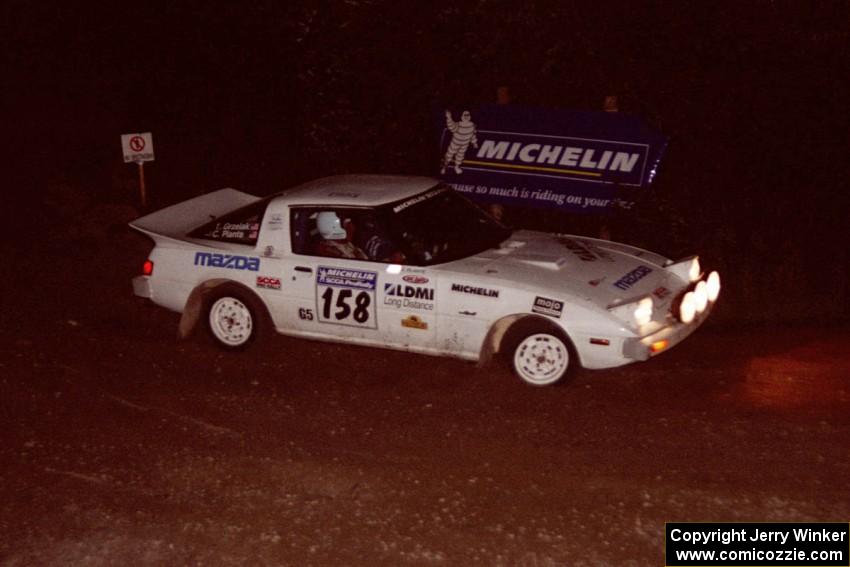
441 225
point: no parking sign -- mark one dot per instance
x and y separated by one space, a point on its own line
137 147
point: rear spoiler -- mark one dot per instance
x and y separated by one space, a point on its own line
176 221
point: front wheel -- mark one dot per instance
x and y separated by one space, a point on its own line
232 320
542 358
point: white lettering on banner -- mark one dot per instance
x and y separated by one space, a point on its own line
549 154
570 156
525 154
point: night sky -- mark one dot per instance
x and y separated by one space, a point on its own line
263 95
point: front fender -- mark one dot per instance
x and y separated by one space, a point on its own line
493 341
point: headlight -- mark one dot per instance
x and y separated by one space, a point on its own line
635 313
695 270
687 269
713 286
700 297
643 311
687 309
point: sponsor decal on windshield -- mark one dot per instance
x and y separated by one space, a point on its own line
418 199
632 277
546 306
230 261
475 290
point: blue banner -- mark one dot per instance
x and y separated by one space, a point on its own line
539 157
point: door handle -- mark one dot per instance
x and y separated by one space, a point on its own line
304 269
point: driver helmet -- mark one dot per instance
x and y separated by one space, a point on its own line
330 227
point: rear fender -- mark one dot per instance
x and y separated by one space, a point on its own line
194 307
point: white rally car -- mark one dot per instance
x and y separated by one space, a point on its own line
407 263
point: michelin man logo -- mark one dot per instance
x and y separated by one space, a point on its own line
463 134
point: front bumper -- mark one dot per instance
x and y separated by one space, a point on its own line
661 340
665 338
142 287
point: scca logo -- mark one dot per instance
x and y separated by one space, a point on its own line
231 261
268 282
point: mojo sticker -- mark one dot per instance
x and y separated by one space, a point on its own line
546 306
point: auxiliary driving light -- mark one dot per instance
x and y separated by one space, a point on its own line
695 270
701 297
688 309
643 311
713 286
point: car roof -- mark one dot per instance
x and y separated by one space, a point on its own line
357 190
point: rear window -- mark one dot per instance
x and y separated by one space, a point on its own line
242 226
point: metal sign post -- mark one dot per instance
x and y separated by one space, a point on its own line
139 148
144 194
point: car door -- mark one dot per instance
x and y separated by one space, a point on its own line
334 297
407 306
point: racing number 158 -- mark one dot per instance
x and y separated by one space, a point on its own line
360 313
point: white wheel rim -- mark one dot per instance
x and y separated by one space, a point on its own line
541 359
230 321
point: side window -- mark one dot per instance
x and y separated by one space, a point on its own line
242 226
333 232
303 233
325 232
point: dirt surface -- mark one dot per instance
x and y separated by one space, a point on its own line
123 446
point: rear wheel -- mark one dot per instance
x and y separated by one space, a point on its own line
542 357
232 319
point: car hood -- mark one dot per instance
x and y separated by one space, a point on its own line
604 272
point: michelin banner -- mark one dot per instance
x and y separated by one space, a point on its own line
538 157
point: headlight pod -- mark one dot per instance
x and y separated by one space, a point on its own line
712 285
643 311
688 308
695 271
687 269
635 313
695 299
701 297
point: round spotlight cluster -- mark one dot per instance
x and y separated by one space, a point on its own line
696 301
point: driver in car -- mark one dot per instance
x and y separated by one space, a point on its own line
337 237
